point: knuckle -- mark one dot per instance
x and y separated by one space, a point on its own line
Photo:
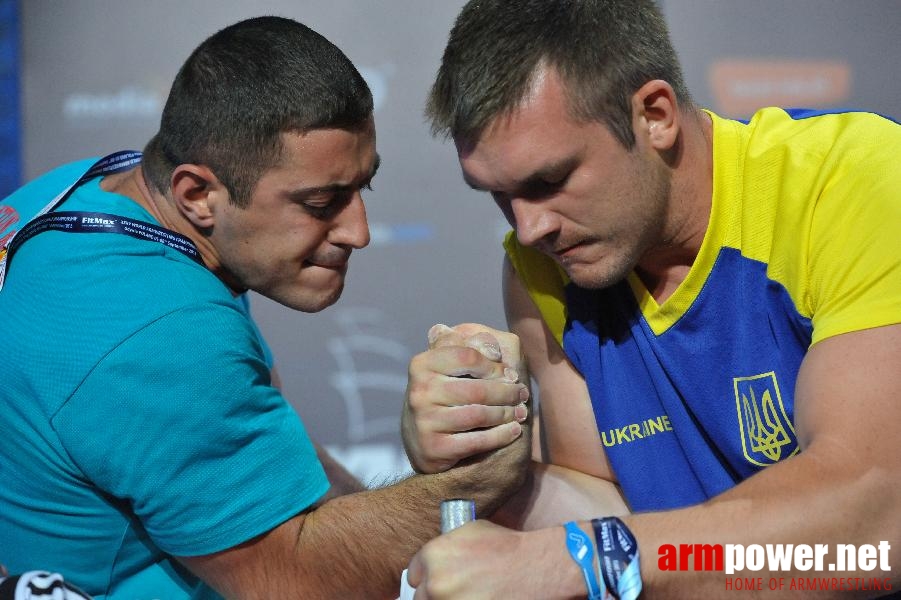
416 402
475 443
508 335
467 357
471 416
497 393
471 394
444 448
445 338
512 394
418 364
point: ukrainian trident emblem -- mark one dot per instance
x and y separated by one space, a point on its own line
767 434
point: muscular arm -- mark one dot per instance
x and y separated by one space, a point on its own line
553 495
571 478
342 481
568 427
844 487
356 545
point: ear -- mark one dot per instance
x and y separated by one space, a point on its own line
656 114
196 190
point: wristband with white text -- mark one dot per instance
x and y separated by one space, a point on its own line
582 552
618 557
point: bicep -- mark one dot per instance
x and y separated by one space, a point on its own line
848 391
845 484
265 566
568 427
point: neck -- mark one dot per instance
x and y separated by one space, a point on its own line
667 264
133 185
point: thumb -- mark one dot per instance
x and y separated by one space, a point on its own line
416 570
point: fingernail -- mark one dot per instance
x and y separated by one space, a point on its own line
520 412
511 375
515 430
490 351
524 394
435 331
486 344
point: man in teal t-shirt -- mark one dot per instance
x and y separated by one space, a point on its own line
109 416
145 452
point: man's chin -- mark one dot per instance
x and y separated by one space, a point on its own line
306 301
595 278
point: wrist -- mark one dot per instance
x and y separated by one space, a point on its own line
550 572
580 546
489 480
618 558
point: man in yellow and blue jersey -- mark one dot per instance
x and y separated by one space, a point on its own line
709 308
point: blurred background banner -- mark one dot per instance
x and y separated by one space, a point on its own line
94 75
10 142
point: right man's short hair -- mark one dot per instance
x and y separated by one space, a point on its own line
604 51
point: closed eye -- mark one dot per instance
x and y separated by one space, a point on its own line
535 190
329 205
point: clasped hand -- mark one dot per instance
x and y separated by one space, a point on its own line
466 395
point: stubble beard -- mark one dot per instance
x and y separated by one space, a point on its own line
622 258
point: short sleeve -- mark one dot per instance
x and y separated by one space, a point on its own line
180 422
544 281
855 241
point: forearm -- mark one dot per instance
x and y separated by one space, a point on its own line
553 495
800 501
392 523
357 545
810 499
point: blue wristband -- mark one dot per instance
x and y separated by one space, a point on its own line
618 558
582 551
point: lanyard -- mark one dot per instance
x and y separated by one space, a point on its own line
92 222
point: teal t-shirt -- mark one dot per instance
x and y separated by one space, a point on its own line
138 420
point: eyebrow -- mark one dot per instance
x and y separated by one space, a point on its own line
339 187
537 178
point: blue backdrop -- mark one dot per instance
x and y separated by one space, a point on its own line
10 146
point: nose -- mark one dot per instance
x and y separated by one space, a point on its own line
351 227
532 221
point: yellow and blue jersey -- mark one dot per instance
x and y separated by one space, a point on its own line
694 395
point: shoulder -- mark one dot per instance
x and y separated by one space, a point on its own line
56 179
544 281
23 204
821 138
